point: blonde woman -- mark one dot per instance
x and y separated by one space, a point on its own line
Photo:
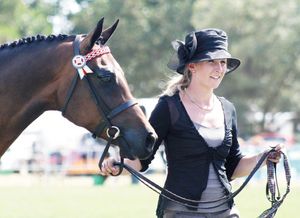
199 130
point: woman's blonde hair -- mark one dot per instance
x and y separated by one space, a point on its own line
178 82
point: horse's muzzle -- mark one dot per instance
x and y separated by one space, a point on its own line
133 148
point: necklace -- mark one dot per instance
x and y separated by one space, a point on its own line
198 105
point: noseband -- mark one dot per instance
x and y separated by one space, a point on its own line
79 62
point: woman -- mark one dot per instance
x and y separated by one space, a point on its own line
199 130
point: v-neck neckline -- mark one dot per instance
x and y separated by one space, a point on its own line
193 126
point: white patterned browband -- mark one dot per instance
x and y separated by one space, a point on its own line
79 61
96 53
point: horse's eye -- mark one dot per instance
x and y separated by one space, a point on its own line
104 78
104 75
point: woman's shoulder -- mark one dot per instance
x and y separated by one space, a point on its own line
170 102
166 96
226 103
169 98
162 103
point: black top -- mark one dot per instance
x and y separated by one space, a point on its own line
188 154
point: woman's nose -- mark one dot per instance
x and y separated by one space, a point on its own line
219 66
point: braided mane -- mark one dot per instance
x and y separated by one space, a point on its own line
31 39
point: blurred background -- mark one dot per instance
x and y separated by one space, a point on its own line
264 34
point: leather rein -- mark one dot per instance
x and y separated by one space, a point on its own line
272 192
79 63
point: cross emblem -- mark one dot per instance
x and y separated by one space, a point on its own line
78 61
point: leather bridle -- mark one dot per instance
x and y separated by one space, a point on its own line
271 184
112 132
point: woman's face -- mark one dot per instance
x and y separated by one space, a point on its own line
208 74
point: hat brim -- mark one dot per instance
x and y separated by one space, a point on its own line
232 63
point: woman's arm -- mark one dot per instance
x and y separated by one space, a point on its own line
247 163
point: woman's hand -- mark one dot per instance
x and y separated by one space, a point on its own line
276 154
108 168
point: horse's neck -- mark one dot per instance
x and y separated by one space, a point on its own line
26 74
28 77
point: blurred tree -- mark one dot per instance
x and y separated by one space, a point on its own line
142 42
264 35
24 18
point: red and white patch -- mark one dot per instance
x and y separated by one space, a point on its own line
78 61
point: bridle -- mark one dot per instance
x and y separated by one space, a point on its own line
83 71
275 198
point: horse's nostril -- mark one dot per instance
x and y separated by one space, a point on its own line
150 140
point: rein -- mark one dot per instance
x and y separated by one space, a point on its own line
276 201
79 63
272 188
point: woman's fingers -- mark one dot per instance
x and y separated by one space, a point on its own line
279 147
276 155
108 168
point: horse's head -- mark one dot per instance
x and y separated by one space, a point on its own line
100 100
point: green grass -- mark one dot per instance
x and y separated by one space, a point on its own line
114 200
76 202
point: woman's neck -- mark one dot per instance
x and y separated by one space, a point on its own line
200 94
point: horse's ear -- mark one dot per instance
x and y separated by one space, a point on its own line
88 42
106 34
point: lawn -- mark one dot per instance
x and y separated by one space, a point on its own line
113 200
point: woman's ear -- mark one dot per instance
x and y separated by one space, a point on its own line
192 67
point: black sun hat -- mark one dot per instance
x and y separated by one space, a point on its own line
202 45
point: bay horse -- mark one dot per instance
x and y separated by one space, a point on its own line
77 75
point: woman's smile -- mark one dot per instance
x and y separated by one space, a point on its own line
215 77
